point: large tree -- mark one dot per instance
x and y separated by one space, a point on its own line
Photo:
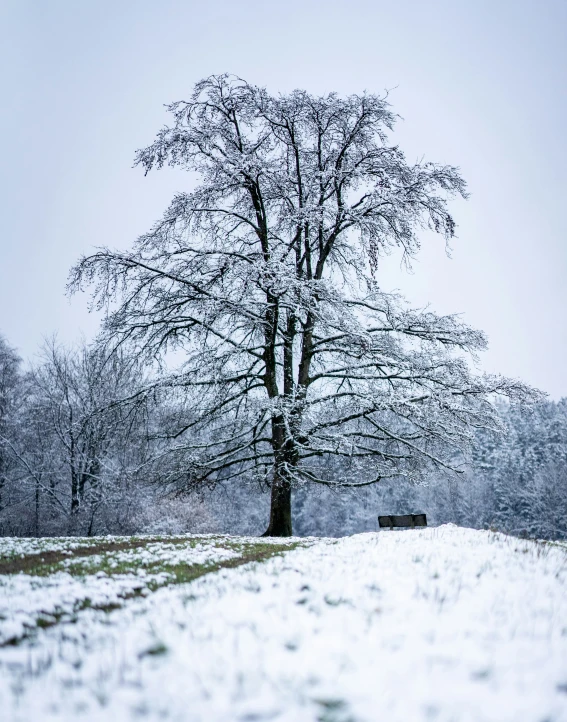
266 277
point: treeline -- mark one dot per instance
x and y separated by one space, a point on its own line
83 450
516 483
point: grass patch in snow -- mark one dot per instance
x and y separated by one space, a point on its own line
149 555
116 571
334 710
47 556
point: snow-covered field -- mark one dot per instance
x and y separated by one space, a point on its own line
441 625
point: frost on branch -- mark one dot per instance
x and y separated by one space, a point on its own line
266 277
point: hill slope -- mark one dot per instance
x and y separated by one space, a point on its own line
435 624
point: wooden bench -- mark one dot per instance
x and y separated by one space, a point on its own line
402 520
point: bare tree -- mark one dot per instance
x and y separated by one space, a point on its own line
10 386
76 440
266 277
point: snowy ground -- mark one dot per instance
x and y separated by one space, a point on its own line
441 625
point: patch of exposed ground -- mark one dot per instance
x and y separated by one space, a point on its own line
133 568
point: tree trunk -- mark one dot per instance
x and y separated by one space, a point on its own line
74 493
280 510
285 457
37 508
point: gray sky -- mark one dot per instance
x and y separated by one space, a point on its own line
479 83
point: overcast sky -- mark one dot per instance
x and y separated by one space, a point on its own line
479 84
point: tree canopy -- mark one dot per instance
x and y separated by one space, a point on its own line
266 277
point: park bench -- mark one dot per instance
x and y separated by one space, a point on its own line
402 520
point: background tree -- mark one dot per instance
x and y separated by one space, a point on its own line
10 394
523 477
78 442
266 277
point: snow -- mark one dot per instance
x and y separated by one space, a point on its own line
26 600
444 624
13 547
17 547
